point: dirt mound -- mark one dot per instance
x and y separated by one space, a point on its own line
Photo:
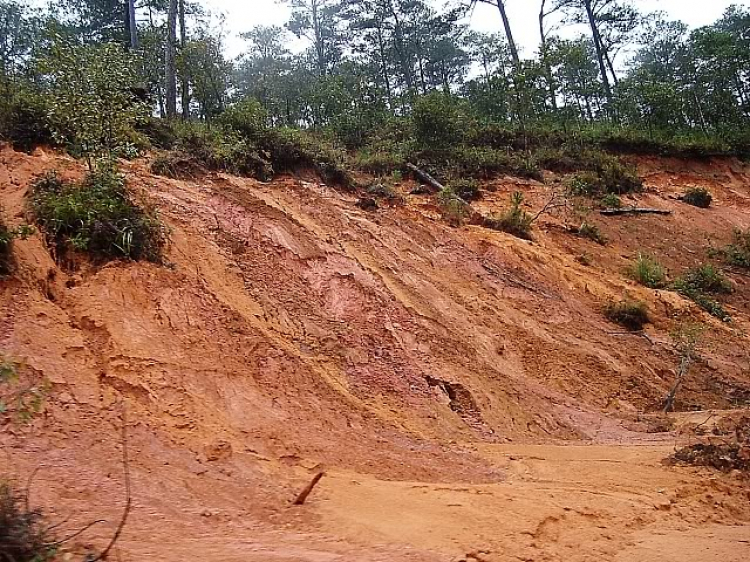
292 332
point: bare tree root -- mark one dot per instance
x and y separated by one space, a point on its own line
128 498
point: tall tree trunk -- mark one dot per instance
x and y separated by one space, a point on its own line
131 27
545 58
599 49
170 70
318 39
508 33
184 81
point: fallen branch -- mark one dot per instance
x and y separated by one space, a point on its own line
425 177
635 211
126 468
309 488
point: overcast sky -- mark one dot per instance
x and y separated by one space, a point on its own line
241 15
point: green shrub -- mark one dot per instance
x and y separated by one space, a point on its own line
91 108
515 221
631 314
24 533
611 201
705 280
648 271
292 151
215 148
466 189
738 252
605 174
592 232
6 239
23 119
438 120
380 162
698 197
454 209
7 236
248 118
97 216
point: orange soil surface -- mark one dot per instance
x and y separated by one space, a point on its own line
460 387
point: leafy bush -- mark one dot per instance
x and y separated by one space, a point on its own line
698 197
453 208
592 232
466 189
515 221
291 151
380 162
705 280
438 120
248 118
738 252
611 201
631 314
7 236
648 271
24 533
97 216
23 119
604 174
91 108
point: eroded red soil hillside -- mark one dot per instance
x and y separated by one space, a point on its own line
460 387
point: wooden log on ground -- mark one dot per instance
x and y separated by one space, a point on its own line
635 211
425 177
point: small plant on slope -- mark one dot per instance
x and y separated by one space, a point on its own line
648 271
738 252
698 197
97 216
515 221
629 313
697 284
24 534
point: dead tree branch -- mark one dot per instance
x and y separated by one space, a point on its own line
425 177
309 488
128 499
635 211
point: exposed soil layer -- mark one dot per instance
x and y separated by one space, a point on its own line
460 387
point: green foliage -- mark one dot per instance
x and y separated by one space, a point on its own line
706 278
7 236
97 216
466 189
292 151
91 108
215 148
438 121
24 532
515 220
611 201
648 271
698 197
23 118
592 232
629 313
248 118
697 284
453 208
738 252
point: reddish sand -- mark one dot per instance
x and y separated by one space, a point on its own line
459 386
